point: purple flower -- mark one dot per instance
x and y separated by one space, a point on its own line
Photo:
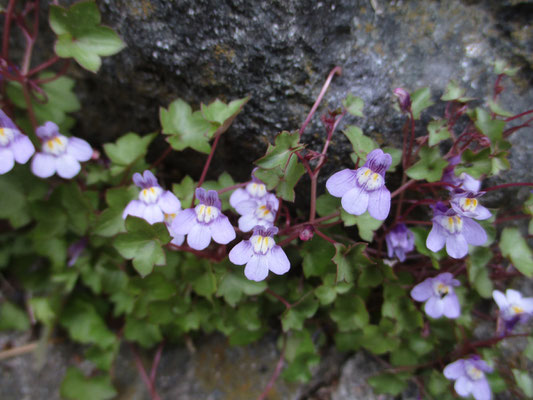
257 212
364 188
14 146
439 296
513 307
59 153
467 205
464 181
154 202
454 230
204 222
400 240
260 254
254 190
177 239
469 377
404 99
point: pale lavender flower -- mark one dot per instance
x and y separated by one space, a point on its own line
467 205
177 239
204 222
513 307
75 249
463 181
59 153
257 212
400 240
364 188
439 296
260 254
153 202
254 190
469 377
14 146
454 231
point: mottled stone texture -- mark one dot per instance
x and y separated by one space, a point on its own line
279 53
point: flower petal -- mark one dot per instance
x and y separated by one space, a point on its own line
152 214
177 240
423 290
248 222
257 268
222 230
482 213
7 160
527 304
456 246
454 370
473 232
135 208
434 307
22 148
67 166
513 296
452 308
341 182
481 389
43 165
378 161
184 221
79 149
47 130
500 299
278 261
355 201
149 178
241 253
237 196
199 236
379 203
246 207
169 203
436 238
138 179
463 386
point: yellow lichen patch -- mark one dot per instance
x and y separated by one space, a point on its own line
224 51
141 8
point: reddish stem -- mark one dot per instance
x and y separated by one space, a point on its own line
402 188
325 237
413 222
280 298
155 363
518 115
232 187
42 66
167 151
337 70
506 185
277 371
511 218
206 166
144 376
61 72
7 27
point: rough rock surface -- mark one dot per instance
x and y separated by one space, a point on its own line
279 53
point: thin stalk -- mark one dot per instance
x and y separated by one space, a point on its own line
325 237
167 151
277 371
280 298
31 115
206 166
7 28
402 188
337 70
518 115
144 376
43 66
232 187
506 185
155 363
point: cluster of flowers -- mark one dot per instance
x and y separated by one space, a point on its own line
206 221
58 154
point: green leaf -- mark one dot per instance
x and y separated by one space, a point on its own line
420 100
524 382
429 167
102 358
388 383
421 235
498 110
361 144
233 286
325 294
475 164
492 128
80 35
478 274
13 318
515 247
354 105
528 352
317 257
46 309
371 276
187 128
184 190
142 332
294 317
347 258
205 285
277 155
289 179
502 67
301 354
127 150
85 325
349 312
143 244
366 225
110 221
222 115
326 204
76 386
454 92
438 131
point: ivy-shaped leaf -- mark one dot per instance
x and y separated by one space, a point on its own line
143 244
80 35
475 164
354 105
277 155
429 167
454 92
366 225
221 114
110 221
420 100
361 144
294 317
347 259
76 386
438 131
127 150
492 128
233 287
515 247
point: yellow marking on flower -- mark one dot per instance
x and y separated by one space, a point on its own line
206 213
50 143
152 190
454 224
367 172
2 132
474 373
375 177
442 288
517 309
468 204
57 139
262 244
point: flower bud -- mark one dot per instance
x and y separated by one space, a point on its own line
404 100
307 233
